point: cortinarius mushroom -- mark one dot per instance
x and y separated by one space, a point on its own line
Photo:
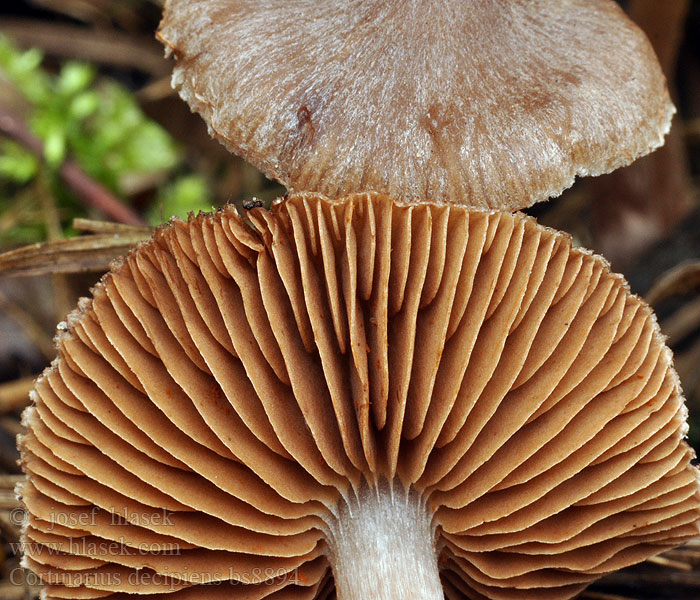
495 104
407 398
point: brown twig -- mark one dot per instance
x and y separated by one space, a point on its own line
682 323
672 564
8 482
93 226
87 189
681 279
61 289
157 90
12 424
109 47
89 253
15 395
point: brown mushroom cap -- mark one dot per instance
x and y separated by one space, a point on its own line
488 103
230 391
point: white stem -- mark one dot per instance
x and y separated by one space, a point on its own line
383 548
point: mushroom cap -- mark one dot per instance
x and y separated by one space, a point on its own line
234 381
493 104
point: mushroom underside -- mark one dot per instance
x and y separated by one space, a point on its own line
240 391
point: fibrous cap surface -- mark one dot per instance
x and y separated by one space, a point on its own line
496 104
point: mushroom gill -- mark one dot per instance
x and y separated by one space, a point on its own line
360 398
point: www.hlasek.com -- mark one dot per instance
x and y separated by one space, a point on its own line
93 547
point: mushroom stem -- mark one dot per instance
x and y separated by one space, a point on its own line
383 547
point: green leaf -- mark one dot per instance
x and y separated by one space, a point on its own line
24 71
25 63
84 105
55 147
74 78
16 163
149 149
189 193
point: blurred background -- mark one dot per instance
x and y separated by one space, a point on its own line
83 84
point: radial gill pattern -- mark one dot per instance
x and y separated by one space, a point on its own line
236 387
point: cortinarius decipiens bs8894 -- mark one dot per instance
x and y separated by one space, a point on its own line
357 397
